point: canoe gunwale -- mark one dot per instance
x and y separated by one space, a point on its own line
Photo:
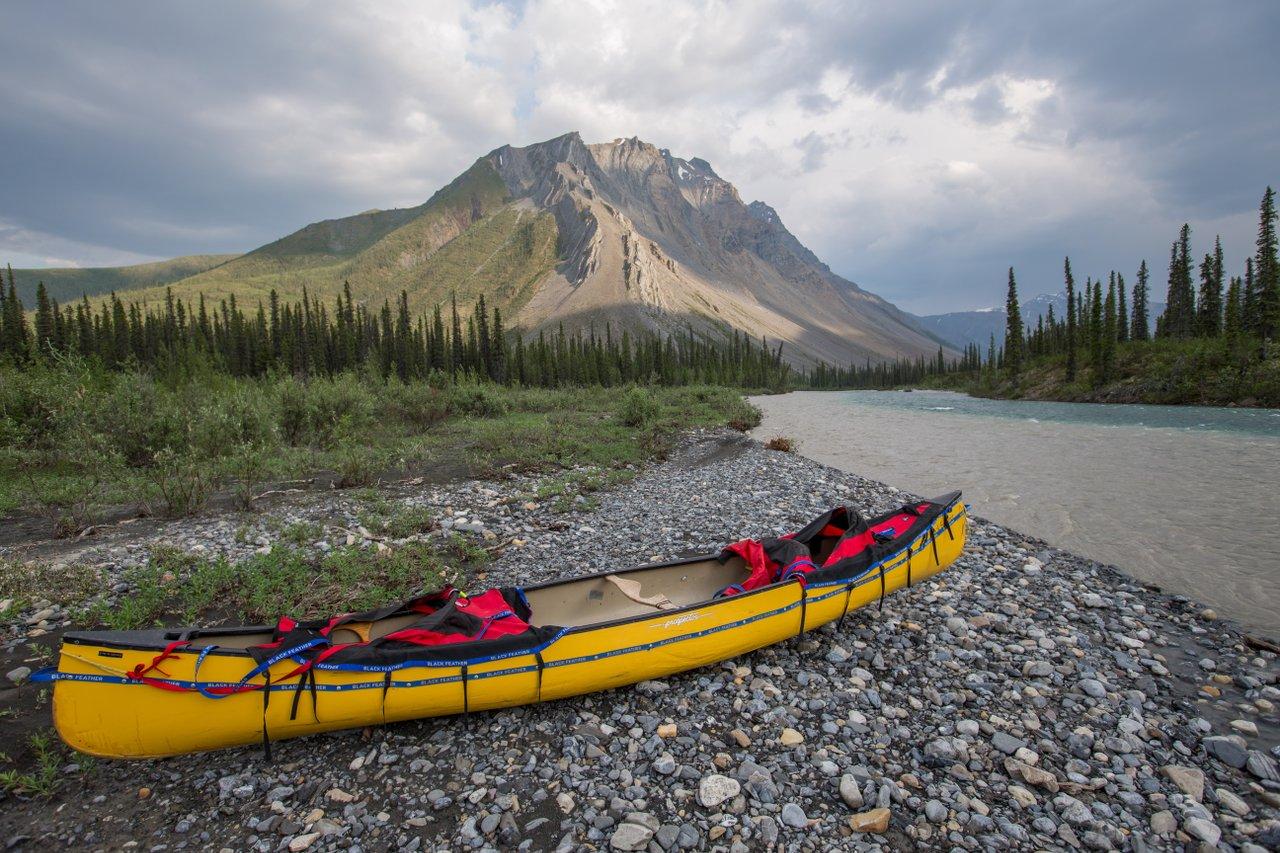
158 639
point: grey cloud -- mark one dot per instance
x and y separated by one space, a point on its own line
155 129
987 105
814 148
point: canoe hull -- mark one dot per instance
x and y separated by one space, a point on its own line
97 710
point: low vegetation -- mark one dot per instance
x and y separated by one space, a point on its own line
1200 372
76 438
23 582
175 587
41 774
782 444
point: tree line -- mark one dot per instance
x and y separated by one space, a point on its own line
310 338
1201 302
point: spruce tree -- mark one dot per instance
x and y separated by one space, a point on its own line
15 323
1231 321
1013 328
1141 324
1109 333
483 357
437 339
1267 268
1071 321
1209 312
498 349
1095 327
1122 310
455 338
1249 299
1186 285
44 320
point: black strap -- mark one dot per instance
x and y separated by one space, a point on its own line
266 700
848 594
946 519
909 564
307 681
933 540
386 687
881 607
804 604
537 656
466 702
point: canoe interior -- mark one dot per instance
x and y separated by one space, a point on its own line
569 604
595 599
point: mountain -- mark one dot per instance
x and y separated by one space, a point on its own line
566 233
68 283
960 328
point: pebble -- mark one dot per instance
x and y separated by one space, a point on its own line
1190 780
794 816
875 821
18 674
1203 829
790 737
1228 750
1092 687
1163 822
1007 743
850 792
302 842
631 836
715 789
1022 796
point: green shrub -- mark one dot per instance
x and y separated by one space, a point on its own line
224 425
741 415
183 482
322 411
248 469
480 401
418 404
638 408
339 407
142 419
295 412
357 466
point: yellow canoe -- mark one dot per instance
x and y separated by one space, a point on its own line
140 694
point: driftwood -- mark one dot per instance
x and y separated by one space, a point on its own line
1261 644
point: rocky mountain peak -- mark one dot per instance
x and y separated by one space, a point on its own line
652 237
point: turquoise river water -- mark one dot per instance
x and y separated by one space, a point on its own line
1187 497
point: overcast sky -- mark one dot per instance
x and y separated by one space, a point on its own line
919 149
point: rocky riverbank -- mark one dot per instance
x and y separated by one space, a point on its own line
1026 698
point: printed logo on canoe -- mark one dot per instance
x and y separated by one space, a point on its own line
679 620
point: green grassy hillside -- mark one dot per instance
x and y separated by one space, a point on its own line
469 238
69 284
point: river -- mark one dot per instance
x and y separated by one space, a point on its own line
1187 497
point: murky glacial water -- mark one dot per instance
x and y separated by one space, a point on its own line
1187 497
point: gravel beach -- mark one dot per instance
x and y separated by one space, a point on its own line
1025 699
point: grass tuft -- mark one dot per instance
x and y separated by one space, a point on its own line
782 444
